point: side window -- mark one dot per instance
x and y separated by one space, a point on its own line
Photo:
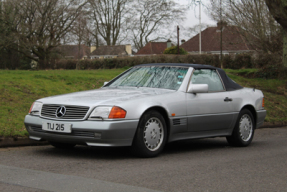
207 76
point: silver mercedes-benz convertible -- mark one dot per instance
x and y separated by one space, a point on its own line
149 105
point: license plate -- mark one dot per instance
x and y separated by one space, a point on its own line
57 127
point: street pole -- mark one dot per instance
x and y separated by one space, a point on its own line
200 27
178 40
221 27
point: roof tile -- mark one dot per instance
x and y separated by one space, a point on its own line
153 48
110 50
210 40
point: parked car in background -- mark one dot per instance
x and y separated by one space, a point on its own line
149 105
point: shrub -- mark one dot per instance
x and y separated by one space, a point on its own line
174 50
267 59
272 72
269 65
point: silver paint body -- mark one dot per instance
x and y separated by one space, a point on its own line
188 115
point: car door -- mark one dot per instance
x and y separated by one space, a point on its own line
212 110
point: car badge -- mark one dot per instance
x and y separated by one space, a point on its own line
61 111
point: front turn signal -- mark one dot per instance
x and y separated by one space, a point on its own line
31 108
117 113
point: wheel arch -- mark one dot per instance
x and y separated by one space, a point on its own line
253 112
164 114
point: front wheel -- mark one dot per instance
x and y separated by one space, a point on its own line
151 135
243 131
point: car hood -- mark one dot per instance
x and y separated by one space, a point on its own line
104 96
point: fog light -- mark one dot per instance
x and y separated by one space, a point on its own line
98 135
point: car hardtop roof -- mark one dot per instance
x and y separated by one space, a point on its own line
195 66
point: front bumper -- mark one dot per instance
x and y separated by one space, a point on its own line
261 114
92 133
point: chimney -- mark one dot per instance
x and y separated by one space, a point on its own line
93 48
129 49
182 41
168 43
221 24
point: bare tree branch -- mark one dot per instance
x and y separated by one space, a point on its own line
108 17
40 25
152 15
255 21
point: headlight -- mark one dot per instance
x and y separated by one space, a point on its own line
108 113
101 112
36 108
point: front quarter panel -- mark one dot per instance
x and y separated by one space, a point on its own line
172 103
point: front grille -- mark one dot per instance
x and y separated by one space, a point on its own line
72 112
74 132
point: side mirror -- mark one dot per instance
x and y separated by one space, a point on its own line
105 83
198 88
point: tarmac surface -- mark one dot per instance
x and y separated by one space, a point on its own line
191 165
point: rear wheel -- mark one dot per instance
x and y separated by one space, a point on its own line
151 135
243 131
62 145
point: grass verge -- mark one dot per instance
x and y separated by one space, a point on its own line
19 89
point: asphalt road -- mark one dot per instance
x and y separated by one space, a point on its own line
193 165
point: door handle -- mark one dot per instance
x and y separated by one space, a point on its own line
227 99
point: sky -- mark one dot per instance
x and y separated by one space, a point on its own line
192 17
193 13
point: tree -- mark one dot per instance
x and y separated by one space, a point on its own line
41 25
109 17
151 16
278 9
8 19
255 22
80 32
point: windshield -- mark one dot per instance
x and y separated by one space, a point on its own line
151 76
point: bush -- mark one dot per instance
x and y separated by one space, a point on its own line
267 59
242 61
174 50
238 61
269 65
272 72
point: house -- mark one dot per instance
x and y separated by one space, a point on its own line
110 51
232 41
153 48
72 51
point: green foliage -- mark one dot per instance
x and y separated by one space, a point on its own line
238 61
269 65
174 50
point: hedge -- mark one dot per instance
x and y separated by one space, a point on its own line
269 65
131 61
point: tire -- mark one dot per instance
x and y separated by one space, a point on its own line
151 135
62 145
243 131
